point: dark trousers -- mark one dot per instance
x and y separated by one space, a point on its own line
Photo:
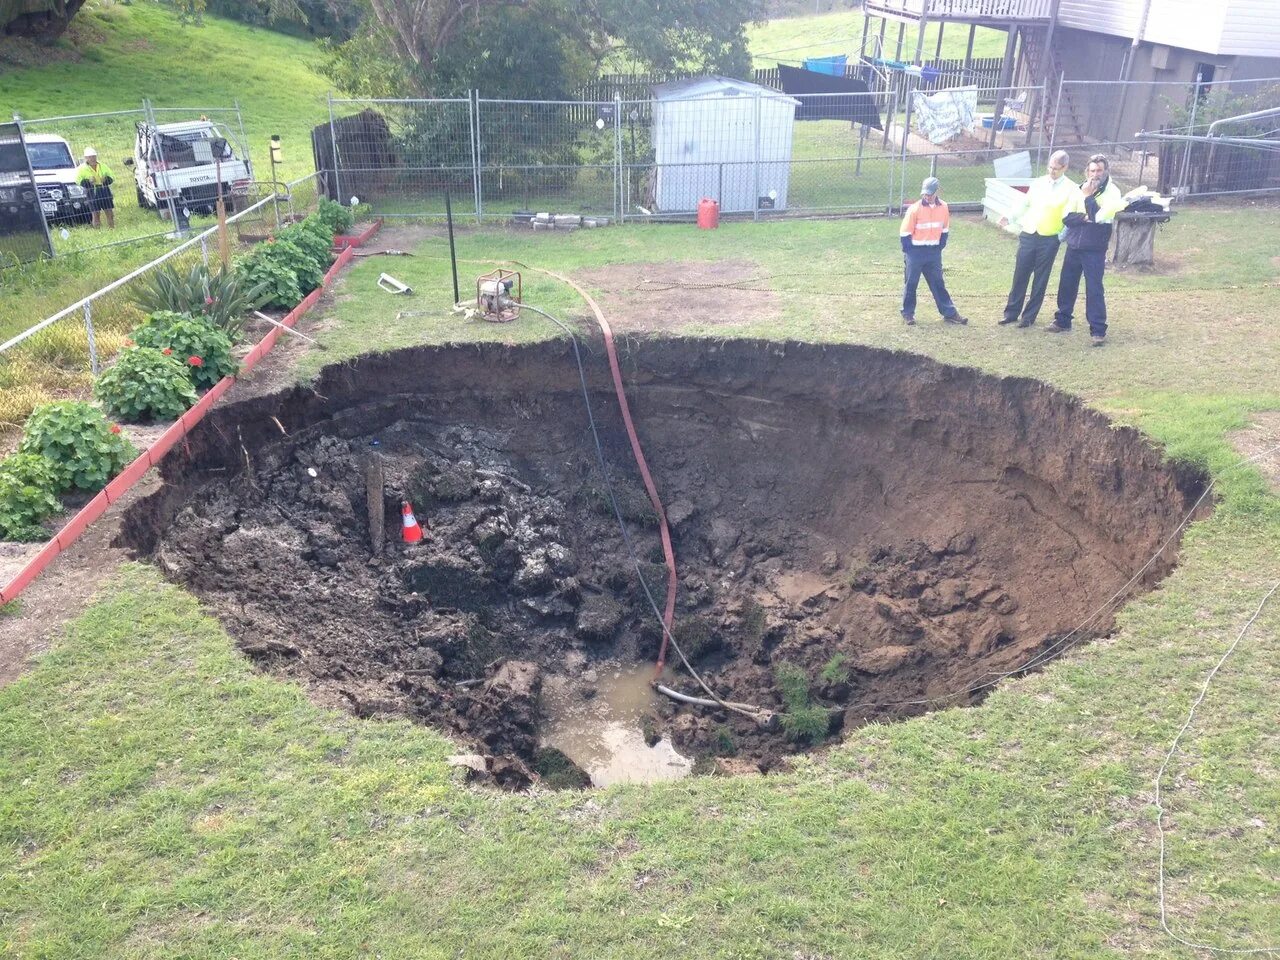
1035 259
1091 263
927 264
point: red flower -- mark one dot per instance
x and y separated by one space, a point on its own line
115 428
128 342
208 301
195 361
167 351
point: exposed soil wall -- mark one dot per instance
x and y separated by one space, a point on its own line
896 529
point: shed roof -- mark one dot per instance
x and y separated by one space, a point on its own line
696 88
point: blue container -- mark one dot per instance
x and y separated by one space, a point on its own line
1006 123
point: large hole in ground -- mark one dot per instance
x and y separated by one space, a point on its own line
855 530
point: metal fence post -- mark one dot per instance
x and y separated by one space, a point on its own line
44 220
755 195
479 155
617 156
93 345
1184 173
1057 111
333 152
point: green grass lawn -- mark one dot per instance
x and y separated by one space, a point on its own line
164 800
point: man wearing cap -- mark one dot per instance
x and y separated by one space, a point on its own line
96 178
924 236
1040 216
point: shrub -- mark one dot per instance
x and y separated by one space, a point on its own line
184 337
836 669
803 719
223 299
83 450
271 267
26 496
335 216
145 384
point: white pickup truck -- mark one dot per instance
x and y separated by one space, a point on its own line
61 198
181 162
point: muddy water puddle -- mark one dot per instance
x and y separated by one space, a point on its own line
604 733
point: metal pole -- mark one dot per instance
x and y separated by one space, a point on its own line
479 162
968 55
93 346
862 142
244 137
333 153
31 178
475 165
755 201
1057 110
906 133
453 255
1191 129
617 155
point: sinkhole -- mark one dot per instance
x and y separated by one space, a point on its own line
860 535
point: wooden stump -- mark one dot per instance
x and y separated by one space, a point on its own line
1135 239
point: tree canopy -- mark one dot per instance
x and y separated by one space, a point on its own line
535 48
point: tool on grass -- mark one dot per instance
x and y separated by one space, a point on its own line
391 285
276 323
499 295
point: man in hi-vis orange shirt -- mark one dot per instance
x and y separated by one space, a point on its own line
924 236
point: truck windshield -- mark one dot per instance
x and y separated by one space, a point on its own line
49 156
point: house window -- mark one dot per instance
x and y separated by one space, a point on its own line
1204 74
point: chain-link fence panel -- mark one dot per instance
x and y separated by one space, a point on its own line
60 356
23 234
400 156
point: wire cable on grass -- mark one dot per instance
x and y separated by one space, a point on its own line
1159 795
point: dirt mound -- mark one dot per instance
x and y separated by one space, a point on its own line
855 531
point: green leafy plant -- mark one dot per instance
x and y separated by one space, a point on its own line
336 216
145 384
836 669
26 496
223 299
313 238
803 720
272 269
82 448
183 337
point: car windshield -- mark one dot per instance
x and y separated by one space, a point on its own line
49 156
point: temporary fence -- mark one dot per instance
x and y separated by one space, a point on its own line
64 352
758 152
1180 139
113 135
24 236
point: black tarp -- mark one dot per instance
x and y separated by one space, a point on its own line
858 104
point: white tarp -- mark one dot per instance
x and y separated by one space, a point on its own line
944 115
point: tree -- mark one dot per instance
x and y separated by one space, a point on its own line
535 48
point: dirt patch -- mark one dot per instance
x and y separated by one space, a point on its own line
640 297
856 531
1261 439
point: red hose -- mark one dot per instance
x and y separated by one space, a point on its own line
668 615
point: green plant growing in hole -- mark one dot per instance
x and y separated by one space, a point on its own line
223 299
144 384
26 496
84 450
835 670
722 742
183 337
803 720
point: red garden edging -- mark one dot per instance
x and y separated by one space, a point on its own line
130 475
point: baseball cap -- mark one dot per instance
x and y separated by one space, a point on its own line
929 187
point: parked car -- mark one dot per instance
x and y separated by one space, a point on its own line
182 162
23 235
61 199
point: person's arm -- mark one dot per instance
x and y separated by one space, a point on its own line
908 228
946 227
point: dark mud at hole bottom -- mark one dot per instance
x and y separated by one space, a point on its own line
853 528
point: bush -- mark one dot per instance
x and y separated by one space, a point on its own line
273 270
26 496
84 451
803 719
222 299
183 337
335 216
145 384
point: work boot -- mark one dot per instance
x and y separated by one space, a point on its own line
1098 339
955 318
909 320
1056 327
1005 321
1024 323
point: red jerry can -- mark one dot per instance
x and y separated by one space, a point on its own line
708 214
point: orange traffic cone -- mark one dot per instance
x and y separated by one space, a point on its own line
412 532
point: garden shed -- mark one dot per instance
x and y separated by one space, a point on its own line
725 139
